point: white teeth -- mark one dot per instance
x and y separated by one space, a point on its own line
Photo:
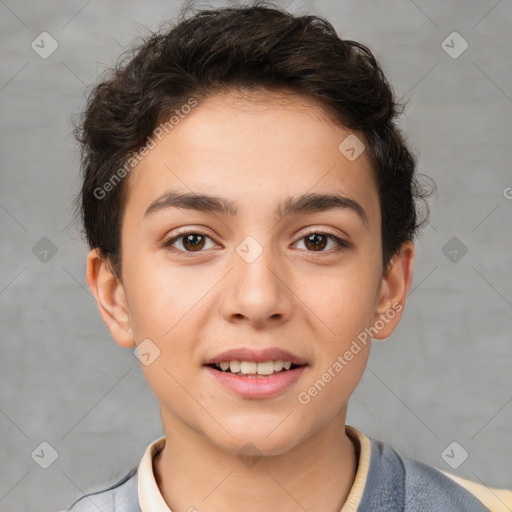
278 365
253 368
234 366
248 367
266 368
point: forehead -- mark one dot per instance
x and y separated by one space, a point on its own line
255 148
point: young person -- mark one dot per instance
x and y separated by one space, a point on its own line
251 206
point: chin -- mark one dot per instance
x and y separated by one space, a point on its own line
256 441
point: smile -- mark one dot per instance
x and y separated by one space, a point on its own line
254 369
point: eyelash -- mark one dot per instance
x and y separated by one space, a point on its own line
341 244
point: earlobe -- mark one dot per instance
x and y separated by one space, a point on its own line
110 298
393 292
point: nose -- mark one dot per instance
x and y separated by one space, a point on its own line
256 291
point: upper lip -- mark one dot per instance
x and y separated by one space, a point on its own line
257 355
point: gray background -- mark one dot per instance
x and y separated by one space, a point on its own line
444 376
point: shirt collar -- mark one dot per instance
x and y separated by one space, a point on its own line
151 499
363 448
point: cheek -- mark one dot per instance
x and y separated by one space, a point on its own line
343 305
164 306
345 300
339 365
162 296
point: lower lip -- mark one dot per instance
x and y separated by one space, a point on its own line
257 387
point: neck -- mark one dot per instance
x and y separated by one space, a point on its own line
316 475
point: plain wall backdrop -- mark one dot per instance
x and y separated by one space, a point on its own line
445 375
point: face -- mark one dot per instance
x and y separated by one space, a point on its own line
283 264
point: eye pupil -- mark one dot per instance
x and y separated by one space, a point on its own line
318 241
195 240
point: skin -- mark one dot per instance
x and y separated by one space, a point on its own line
255 151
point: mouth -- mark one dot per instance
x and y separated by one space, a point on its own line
262 369
256 374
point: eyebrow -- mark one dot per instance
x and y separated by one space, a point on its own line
305 203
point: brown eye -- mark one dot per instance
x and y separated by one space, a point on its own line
193 242
323 242
190 242
316 242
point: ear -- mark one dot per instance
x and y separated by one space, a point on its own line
108 291
393 292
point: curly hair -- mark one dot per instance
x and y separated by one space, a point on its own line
257 47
